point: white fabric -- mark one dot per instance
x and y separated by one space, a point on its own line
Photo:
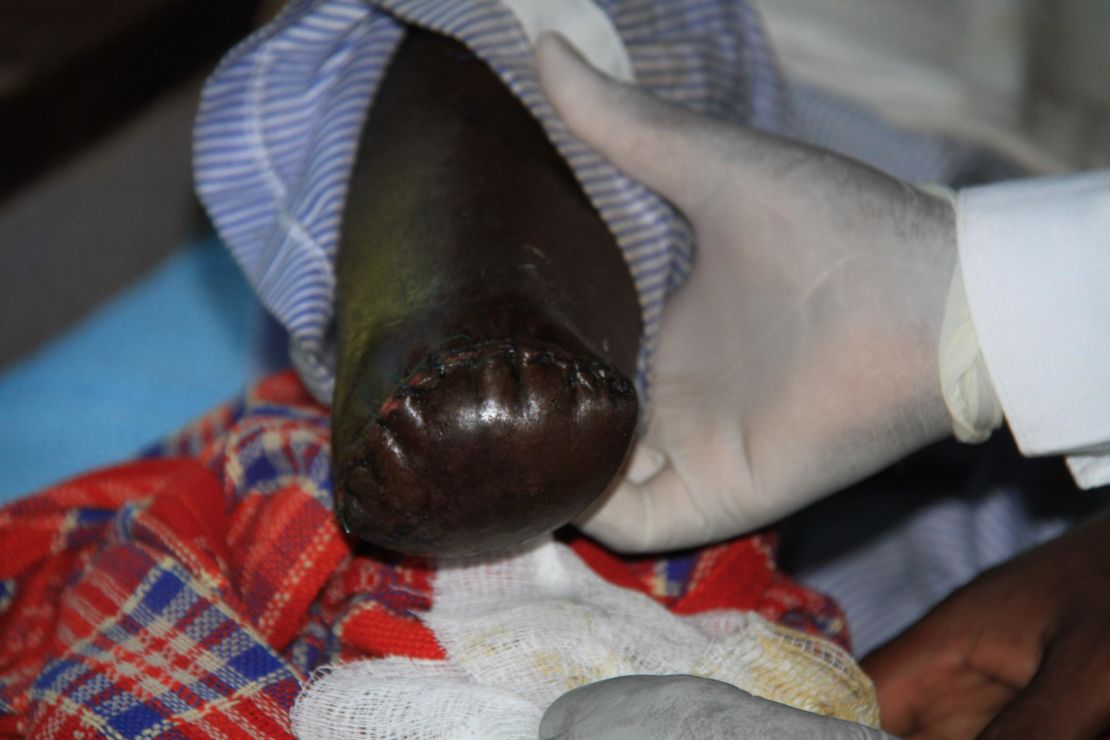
521 630
583 24
1036 266
964 379
411 699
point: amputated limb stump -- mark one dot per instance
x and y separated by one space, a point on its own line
487 322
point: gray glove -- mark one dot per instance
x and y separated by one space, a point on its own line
669 707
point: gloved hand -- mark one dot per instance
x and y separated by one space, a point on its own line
801 355
667 707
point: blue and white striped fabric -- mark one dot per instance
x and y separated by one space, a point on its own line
888 580
279 121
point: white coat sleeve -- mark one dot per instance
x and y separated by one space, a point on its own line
1035 256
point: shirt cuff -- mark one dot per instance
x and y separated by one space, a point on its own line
1090 471
1035 256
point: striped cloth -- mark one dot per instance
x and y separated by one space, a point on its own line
889 581
279 121
189 595
892 547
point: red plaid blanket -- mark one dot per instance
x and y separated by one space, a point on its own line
190 593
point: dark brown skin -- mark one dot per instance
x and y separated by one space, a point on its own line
488 324
1021 652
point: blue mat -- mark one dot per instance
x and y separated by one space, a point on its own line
184 339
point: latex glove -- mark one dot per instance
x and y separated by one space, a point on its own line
667 707
1022 651
801 355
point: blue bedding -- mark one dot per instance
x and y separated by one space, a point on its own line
188 336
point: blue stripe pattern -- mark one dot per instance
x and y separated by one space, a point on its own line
279 122
889 580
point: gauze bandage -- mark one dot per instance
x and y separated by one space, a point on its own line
520 631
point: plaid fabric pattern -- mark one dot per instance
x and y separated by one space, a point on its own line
188 594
